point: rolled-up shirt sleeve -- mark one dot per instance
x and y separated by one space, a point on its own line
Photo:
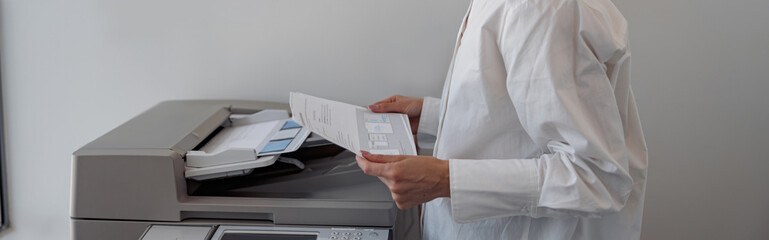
428 121
558 82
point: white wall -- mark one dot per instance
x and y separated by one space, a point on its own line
73 70
701 74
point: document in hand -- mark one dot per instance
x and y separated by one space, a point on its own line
352 127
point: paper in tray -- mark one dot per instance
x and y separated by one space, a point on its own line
245 146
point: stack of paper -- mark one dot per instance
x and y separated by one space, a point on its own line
352 127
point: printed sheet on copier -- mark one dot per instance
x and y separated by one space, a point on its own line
353 127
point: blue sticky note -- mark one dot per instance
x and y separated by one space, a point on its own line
276 146
290 124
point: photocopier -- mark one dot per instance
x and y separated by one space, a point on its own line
193 169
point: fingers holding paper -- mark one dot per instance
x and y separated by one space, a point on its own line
401 104
411 179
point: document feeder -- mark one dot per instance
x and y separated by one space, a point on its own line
242 144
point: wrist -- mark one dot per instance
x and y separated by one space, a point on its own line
420 103
445 181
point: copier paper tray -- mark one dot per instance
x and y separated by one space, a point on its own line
334 176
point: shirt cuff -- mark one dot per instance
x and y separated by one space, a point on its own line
486 189
428 121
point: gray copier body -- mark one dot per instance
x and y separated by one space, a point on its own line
132 178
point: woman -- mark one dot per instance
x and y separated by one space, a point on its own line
538 136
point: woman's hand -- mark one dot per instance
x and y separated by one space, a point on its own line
401 104
412 179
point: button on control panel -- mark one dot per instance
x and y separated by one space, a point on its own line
356 234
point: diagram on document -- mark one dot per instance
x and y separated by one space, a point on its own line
353 127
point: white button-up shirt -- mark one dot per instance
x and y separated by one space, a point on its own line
539 125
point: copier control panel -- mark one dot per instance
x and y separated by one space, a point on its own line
234 232
298 233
